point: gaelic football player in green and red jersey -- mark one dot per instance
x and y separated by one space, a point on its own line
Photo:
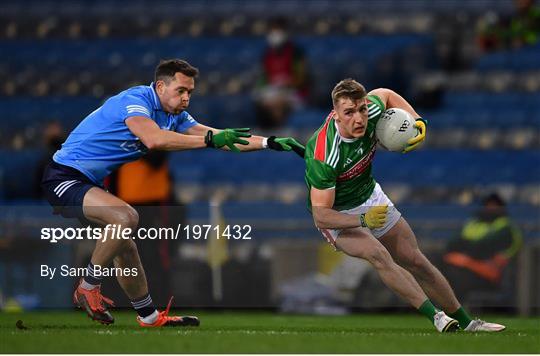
355 215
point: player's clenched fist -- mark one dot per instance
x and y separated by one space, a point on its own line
375 217
227 137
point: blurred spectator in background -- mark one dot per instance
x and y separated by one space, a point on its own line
53 137
477 260
283 86
131 181
518 30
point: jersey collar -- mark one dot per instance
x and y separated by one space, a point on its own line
344 139
156 98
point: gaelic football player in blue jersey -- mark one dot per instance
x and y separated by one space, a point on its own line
123 129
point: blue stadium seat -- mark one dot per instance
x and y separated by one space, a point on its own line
433 167
227 167
489 110
258 7
18 173
68 110
458 168
223 110
308 118
524 59
449 168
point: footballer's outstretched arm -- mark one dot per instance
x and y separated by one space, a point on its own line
255 142
391 99
154 138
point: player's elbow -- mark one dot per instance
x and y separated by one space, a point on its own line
384 94
385 91
319 218
320 224
153 142
152 145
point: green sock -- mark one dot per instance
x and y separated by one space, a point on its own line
428 309
462 317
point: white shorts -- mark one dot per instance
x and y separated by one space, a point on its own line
377 198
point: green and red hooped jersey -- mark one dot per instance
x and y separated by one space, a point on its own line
334 162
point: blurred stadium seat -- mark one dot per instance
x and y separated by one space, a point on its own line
62 58
522 60
87 54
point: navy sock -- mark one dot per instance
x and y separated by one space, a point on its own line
144 305
90 278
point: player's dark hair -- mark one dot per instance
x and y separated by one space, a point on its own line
348 88
166 69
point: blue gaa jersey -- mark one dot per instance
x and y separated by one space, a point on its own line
102 142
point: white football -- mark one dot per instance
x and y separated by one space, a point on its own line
394 129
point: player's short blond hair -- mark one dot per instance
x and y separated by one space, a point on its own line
348 88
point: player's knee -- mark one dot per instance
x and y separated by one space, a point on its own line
128 218
379 257
415 262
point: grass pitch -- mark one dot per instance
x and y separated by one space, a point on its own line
245 332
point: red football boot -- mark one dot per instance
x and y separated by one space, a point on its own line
94 303
165 320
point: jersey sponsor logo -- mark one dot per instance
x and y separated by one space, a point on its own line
320 144
130 146
359 167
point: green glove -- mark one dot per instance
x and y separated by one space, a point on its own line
286 144
227 137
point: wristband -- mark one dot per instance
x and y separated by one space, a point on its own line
421 119
272 144
363 220
208 139
265 142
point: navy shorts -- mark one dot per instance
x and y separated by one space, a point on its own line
64 188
